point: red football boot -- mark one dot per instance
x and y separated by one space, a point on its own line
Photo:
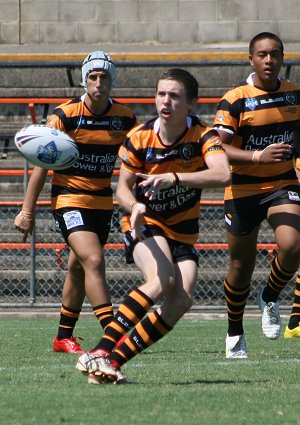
67 345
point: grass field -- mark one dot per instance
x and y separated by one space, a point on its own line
183 379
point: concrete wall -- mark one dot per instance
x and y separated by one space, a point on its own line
146 21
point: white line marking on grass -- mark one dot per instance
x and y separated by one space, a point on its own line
32 367
229 362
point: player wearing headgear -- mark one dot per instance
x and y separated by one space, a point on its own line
97 61
81 196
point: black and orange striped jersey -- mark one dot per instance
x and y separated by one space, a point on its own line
87 183
258 118
175 210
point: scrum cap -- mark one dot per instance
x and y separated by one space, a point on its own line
97 61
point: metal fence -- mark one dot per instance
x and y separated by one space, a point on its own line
33 273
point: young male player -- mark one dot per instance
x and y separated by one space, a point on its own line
259 123
165 164
81 196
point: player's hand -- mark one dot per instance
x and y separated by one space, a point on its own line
136 220
276 152
153 183
24 222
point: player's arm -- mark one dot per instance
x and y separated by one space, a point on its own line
276 152
128 201
217 174
24 221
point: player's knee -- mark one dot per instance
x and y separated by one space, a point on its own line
165 284
94 262
290 251
241 266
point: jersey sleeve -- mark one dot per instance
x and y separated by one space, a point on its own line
211 143
228 112
130 152
55 122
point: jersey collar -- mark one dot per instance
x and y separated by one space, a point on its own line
156 126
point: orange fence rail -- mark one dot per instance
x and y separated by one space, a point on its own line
270 247
206 202
21 172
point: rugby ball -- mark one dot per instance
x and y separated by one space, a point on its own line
46 147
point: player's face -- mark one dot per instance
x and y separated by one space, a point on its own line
171 102
98 85
266 59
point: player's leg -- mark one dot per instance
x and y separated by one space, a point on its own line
292 330
176 303
89 252
72 299
242 256
285 221
242 232
180 299
154 259
155 325
242 252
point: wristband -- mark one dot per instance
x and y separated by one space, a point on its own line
171 177
176 182
133 206
256 156
179 179
134 203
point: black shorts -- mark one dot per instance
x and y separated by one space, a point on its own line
70 220
180 251
243 222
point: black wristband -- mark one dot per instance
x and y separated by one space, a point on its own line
176 179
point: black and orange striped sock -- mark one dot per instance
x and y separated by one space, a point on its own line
295 313
278 279
236 300
67 322
150 330
130 312
104 313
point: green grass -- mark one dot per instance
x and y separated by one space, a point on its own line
183 379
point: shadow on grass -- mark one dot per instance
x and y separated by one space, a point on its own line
212 382
197 381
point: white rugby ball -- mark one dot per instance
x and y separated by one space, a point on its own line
46 147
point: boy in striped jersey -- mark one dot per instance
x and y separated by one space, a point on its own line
259 124
165 164
81 196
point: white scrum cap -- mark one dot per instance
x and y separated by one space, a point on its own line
97 61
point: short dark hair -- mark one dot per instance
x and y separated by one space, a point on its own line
263 36
186 78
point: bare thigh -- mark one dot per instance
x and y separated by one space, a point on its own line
285 221
153 257
89 252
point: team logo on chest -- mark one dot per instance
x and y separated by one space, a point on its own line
186 151
117 123
150 155
290 98
251 103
